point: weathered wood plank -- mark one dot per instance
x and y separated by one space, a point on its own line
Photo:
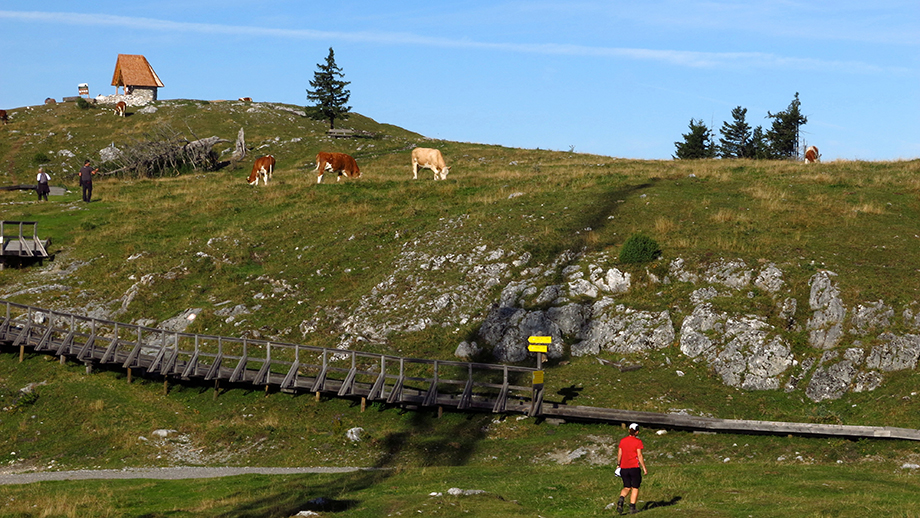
476 395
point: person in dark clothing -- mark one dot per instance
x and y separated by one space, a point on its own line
42 188
86 180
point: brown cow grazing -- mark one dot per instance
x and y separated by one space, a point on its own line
120 108
430 158
262 168
812 155
4 117
246 99
337 163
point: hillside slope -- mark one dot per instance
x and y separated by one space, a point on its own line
785 292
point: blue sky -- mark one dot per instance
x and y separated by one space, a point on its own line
615 78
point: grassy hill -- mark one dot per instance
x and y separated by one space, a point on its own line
359 263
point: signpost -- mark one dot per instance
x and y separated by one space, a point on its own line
539 345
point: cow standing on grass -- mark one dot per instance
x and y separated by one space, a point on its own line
812 155
430 158
4 118
337 163
262 168
120 108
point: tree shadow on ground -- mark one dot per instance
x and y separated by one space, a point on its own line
422 441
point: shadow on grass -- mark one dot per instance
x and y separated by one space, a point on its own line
420 442
661 503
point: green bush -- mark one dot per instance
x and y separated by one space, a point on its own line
40 158
639 248
83 104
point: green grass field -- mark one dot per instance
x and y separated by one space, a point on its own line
312 251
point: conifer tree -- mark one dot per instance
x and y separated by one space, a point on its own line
736 137
784 134
328 93
760 147
697 143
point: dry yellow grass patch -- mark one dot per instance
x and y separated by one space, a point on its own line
682 243
270 421
665 225
772 198
591 238
729 216
865 208
502 174
730 244
97 503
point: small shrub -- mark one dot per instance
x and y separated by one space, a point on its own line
639 248
40 158
83 104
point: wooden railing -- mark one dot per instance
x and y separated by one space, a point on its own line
289 367
411 382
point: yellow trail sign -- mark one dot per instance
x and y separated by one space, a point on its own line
539 344
537 377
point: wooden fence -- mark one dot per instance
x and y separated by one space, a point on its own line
288 367
410 382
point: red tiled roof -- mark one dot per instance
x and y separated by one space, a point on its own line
134 70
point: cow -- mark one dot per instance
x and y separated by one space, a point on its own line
337 163
812 155
262 168
430 158
120 109
246 99
4 117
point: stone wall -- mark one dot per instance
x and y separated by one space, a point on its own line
138 96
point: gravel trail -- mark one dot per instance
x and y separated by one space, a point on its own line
161 473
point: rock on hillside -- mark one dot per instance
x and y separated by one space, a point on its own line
746 350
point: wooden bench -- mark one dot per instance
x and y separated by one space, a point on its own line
341 133
17 247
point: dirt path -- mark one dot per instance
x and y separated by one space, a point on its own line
160 473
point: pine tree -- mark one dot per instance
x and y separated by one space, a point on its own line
760 147
784 134
736 137
328 92
697 144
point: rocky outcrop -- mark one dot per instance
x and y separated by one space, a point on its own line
745 351
825 327
748 351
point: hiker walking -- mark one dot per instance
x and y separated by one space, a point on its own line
42 188
629 462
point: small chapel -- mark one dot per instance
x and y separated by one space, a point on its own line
137 79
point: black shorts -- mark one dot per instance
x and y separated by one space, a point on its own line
632 477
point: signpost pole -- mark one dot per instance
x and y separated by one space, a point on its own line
540 346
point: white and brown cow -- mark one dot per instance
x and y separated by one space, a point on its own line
262 168
4 118
430 158
812 155
337 163
120 108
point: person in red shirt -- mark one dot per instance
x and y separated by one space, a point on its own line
629 460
